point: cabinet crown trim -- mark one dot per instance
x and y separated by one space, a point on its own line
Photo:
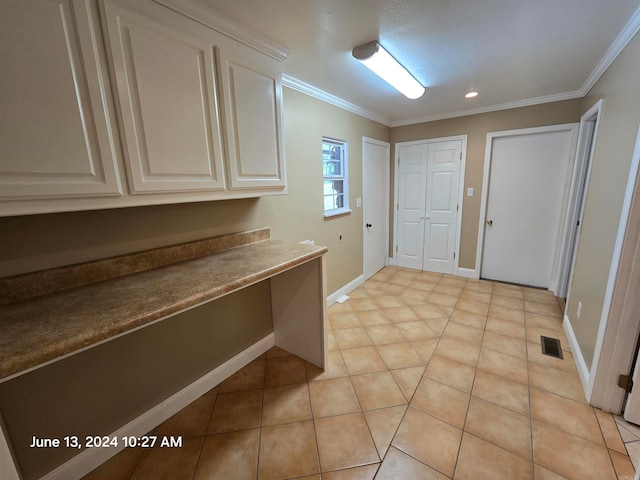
227 27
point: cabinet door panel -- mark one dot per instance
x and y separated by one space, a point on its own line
56 135
252 104
167 97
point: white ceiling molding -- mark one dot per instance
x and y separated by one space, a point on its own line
312 91
493 108
628 32
227 27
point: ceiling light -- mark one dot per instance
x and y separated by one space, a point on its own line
386 67
471 94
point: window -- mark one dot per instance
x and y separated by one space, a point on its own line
335 170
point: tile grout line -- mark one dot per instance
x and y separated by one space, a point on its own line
526 352
206 434
475 373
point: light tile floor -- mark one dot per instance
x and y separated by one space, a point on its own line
430 377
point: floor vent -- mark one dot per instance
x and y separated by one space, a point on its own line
551 347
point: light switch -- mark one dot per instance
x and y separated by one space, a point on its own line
358 202
470 192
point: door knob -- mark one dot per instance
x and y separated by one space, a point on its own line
369 225
489 222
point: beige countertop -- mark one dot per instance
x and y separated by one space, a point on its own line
41 329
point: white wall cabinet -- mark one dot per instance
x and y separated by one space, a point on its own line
148 98
56 133
166 91
176 134
252 112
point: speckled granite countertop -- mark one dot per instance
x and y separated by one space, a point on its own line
40 329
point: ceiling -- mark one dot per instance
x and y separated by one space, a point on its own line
513 52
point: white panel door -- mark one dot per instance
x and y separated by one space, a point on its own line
427 216
168 101
412 180
441 212
57 137
375 205
524 206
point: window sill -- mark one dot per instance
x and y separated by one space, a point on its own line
336 212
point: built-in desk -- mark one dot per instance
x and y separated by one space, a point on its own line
134 349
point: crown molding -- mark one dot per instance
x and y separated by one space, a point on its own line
628 32
558 97
227 27
300 86
221 24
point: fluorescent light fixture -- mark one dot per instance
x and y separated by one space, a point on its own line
471 94
376 58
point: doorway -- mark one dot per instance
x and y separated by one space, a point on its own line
375 181
525 197
429 174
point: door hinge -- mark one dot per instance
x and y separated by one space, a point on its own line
626 382
396 248
454 255
460 155
457 207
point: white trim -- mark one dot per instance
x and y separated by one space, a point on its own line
577 196
492 108
387 182
558 276
628 32
300 86
463 163
89 459
197 12
349 287
468 273
461 173
581 365
614 328
336 211
486 173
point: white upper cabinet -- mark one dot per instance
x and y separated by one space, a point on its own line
56 132
167 97
252 111
182 130
118 103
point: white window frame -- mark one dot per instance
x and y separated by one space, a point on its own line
344 146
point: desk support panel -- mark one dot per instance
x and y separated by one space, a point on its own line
299 309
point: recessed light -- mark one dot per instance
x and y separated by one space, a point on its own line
471 94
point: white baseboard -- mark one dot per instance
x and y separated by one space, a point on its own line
352 285
91 458
391 262
468 273
581 365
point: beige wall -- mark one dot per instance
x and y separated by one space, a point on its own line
476 128
36 242
99 390
300 215
620 89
